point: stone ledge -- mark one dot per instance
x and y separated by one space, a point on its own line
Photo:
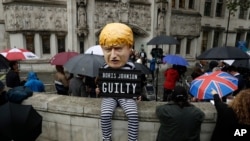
90 107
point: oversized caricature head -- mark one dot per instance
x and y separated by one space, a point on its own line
116 40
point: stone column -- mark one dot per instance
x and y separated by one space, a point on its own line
183 46
210 39
38 45
17 40
168 18
53 44
244 36
194 47
72 36
213 8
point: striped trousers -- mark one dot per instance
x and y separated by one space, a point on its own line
129 106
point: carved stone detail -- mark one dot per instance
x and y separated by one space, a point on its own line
186 25
133 12
82 27
35 18
161 17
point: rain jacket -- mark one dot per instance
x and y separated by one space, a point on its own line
171 77
34 83
179 124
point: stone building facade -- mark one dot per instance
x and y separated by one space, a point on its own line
49 27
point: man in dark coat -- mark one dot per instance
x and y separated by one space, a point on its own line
180 120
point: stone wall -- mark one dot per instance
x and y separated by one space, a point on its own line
67 118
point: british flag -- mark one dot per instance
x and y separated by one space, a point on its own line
223 82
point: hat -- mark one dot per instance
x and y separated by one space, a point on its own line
1 85
179 94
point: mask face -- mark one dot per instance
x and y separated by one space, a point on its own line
116 40
116 56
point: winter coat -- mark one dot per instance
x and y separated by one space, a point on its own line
171 77
179 124
12 79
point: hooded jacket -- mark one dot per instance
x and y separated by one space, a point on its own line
34 83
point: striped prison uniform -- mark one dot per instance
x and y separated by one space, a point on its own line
129 106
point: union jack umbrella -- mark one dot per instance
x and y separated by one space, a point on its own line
15 54
223 82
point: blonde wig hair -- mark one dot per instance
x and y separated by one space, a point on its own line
240 106
115 34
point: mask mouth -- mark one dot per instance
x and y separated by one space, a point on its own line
114 60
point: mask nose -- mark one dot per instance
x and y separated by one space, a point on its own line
113 53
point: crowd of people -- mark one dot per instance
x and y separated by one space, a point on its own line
71 85
171 115
179 119
242 74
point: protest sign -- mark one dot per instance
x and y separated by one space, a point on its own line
119 83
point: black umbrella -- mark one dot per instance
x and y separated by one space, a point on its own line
163 39
223 53
144 69
241 63
4 63
85 64
19 122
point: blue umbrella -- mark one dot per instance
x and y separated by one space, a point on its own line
175 60
223 82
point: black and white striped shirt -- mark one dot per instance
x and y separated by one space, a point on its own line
127 66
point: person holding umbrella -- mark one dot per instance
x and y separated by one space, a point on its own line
77 86
61 81
116 40
157 53
241 81
171 77
232 118
12 76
